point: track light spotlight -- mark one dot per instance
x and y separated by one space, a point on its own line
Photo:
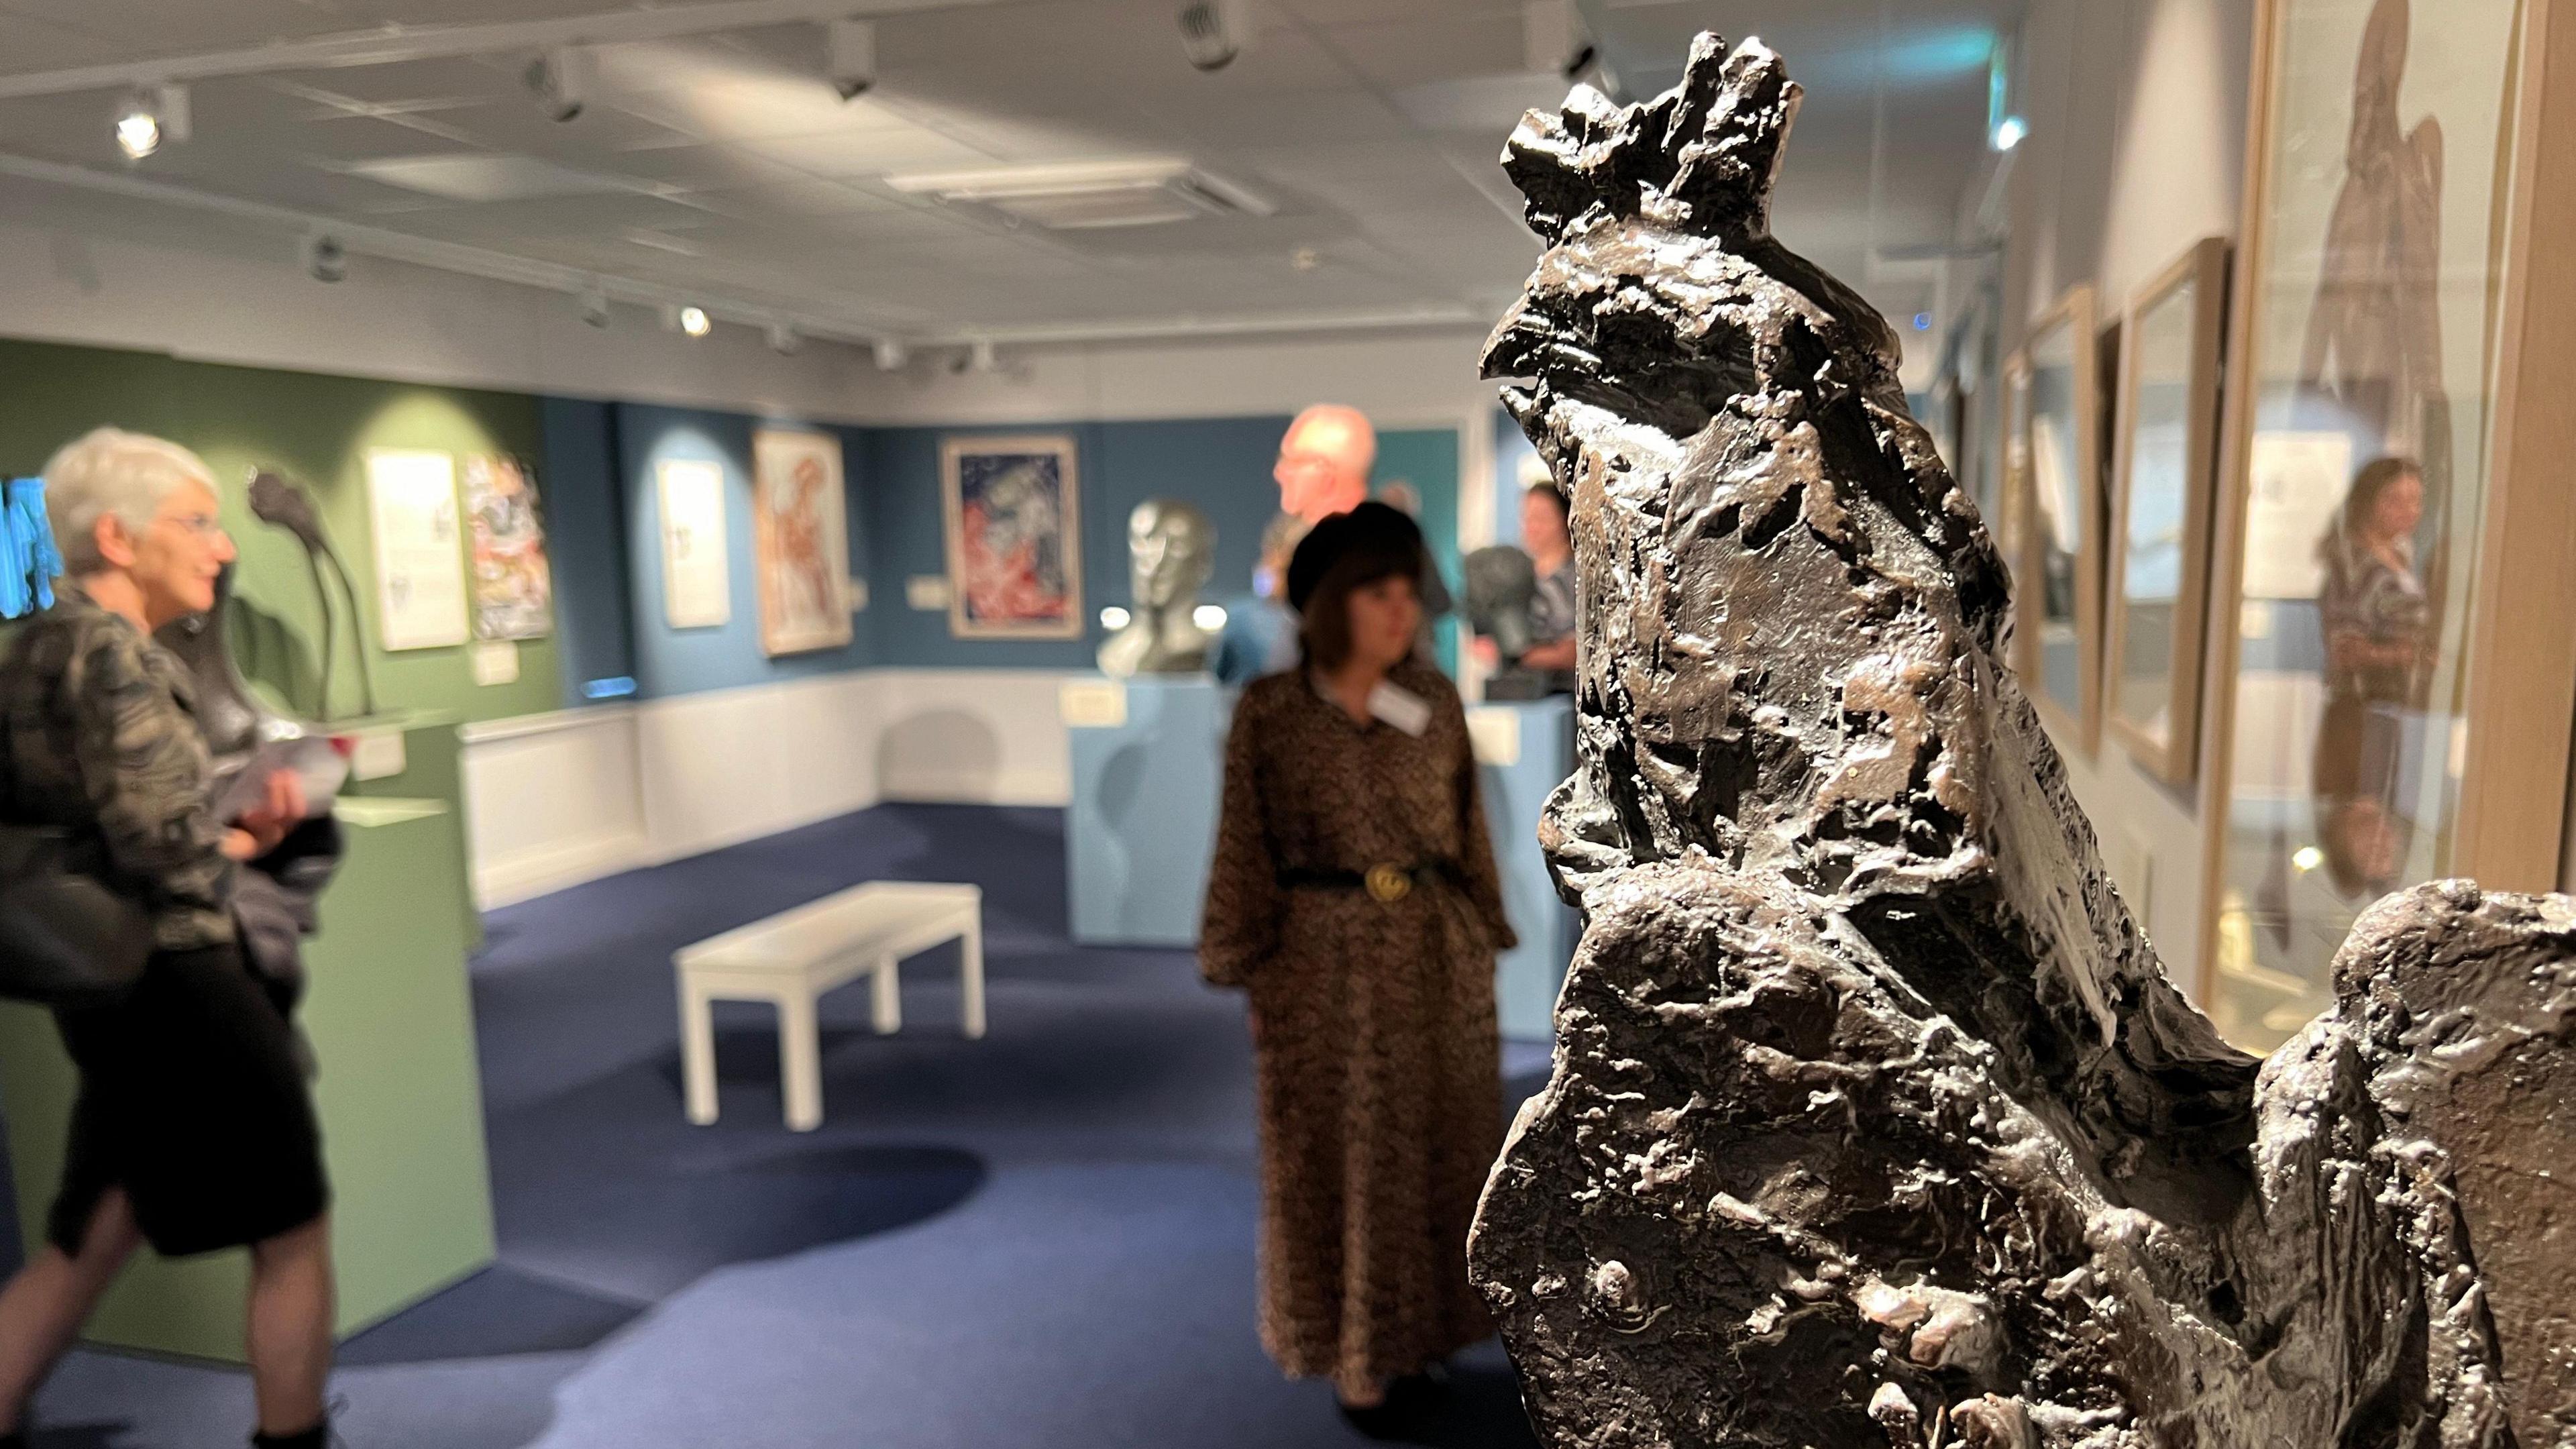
693 321
891 355
138 130
148 117
784 339
325 258
850 57
561 80
980 356
594 305
1214 32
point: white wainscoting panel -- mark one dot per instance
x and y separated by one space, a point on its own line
733 765
563 798
552 800
972 736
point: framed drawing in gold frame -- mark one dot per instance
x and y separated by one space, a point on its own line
2158 587
2059 637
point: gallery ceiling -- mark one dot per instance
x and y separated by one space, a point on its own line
1342 171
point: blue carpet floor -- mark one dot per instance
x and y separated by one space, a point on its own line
1044 1238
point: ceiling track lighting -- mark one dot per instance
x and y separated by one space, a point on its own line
850 57
891 355
561 78
148 116
784 338
690 321
325 257
594 305
1214 32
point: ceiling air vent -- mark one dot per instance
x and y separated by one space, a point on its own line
1084 195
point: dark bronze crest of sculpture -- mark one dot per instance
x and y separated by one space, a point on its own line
1874 1118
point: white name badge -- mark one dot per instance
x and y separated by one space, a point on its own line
1400 707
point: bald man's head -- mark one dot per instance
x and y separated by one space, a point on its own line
1324 461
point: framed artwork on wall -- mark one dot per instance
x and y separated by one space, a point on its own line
2061 557
801 541
696 585
2159 534
420 567
2391 704
513 584
1014 526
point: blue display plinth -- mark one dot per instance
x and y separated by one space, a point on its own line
1146 778
1527 750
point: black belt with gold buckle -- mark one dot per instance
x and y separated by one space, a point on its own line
1385 884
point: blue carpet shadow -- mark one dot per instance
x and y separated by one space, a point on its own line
497 1312
78 1436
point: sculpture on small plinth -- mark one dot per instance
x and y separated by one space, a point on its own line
1171 551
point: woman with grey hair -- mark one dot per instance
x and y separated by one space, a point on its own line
194 1129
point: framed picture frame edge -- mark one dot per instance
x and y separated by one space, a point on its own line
2077 309
2176 759
953 447
2012 509
777 641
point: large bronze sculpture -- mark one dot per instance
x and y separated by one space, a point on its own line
1874 1119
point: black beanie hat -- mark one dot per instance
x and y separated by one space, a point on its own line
1371 542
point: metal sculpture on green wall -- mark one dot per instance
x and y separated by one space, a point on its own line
274 500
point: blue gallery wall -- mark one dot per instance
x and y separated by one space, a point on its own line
1512 455
585 513
1428 460
604 523
672 661
1220 464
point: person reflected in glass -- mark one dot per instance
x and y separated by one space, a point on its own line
2376 617
194 1129
1550 543
1354 894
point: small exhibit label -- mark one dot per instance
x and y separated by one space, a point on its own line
1092 704
927 592
496 661
379 755
1495 735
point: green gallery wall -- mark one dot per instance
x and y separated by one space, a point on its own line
316 429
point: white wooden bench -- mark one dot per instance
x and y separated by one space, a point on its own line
792 958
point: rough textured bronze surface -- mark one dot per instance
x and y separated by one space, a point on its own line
1874 1119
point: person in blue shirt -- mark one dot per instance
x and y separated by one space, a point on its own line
1260 634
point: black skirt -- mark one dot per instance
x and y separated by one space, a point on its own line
192 1099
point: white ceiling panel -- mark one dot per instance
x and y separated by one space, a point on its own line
1321 118
29 42
1405 53
147 28
1360 12
842 154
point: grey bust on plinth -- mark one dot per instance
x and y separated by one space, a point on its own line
1171 551
1502 585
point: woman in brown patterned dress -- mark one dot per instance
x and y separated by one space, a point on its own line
1354 894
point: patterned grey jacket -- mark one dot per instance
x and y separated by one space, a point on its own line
99 737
